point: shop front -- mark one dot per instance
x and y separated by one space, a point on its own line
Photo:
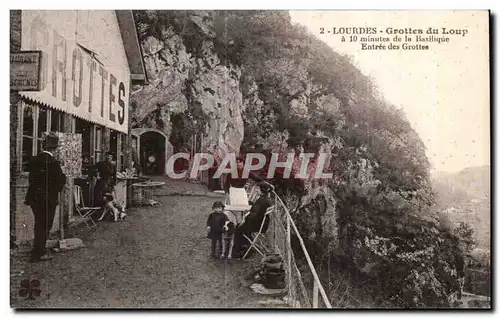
86 72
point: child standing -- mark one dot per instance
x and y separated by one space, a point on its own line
215 223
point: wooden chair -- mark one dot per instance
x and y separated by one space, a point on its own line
84 213
254 242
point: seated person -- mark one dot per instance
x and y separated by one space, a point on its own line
253 219
107 179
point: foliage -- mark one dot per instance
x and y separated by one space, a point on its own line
466 235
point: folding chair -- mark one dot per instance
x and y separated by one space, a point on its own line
85 213
254 242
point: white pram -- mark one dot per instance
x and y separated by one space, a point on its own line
237 205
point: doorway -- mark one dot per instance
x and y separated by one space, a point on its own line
152 148
85 128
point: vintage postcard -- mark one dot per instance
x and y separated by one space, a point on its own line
250 159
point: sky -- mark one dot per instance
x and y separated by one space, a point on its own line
444 91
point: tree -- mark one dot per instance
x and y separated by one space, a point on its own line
465 234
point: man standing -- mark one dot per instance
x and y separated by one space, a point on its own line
107 170
107 179
46 180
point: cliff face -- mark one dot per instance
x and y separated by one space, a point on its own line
198 86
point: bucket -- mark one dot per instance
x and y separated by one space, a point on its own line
274 279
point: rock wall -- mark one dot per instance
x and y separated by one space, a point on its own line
198 85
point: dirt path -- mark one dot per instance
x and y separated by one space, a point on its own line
157 258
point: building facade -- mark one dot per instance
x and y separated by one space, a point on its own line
90 60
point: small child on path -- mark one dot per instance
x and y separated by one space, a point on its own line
215 223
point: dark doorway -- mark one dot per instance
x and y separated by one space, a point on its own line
153 153
85 128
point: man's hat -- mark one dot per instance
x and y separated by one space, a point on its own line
51 141
218 204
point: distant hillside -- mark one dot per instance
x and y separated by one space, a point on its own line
465 197
473 180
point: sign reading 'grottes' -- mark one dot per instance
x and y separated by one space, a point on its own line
75 78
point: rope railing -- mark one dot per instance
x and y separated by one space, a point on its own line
283 226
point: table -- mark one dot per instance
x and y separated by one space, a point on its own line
145 192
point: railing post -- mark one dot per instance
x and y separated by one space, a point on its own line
289 256
275 221
315 294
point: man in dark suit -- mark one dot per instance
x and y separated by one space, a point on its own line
107 179
46 180
107 170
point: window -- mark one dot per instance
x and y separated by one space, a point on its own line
85 129
56 120
97 144
113 142
134 142
41 126
118 138
28 135
123 141
36 121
